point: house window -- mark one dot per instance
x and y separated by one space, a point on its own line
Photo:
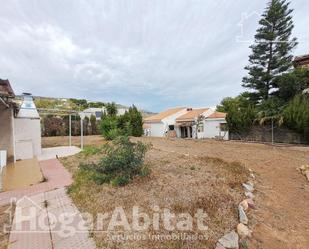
171 127
200 128
223 127
98 114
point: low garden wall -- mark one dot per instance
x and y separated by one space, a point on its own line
264 134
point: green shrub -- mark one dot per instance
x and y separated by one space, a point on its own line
108 124
296 115
113 134
123 161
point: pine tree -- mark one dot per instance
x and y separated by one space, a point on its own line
271 52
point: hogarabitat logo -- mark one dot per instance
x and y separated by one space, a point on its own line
37 218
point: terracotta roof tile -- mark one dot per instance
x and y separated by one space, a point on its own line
158 117
191 115
217 115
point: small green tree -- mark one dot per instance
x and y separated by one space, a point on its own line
111 109
93 123
240 119
109 128
293 83
135 122
123 161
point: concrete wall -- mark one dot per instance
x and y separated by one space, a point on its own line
6 132
27 138
157 129
212 129
263 134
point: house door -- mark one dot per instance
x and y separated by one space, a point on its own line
184 132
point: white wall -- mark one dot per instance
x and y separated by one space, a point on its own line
212 129
27 137
157 129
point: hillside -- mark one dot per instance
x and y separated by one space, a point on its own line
75 104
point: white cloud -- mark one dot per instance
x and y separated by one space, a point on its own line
154 53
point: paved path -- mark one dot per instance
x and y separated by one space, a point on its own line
60 151
56 177
47 203
63 226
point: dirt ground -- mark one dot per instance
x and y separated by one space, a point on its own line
181 183
5 220
282 196
64 141
281 220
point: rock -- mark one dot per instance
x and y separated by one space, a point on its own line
219 246
244 204
252 175
249 195
243 231
304 169
250 203
242 215
248 186
230 240
307 175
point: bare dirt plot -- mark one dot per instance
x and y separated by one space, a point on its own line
64 141
282 218
179 182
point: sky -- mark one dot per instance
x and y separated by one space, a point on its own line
154 54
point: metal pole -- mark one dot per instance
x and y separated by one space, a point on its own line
70 131
272 130
81 134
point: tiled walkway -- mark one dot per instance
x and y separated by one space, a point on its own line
56 176
64 227
49 199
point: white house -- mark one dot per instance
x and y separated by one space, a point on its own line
160 124
122 110
97 112
187 123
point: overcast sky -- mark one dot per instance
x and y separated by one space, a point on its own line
153 53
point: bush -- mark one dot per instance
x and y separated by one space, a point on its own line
107 124
123 161
128 124
113 134
296 115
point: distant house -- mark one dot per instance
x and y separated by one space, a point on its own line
20 128
97 112
301 61
122 110
187 123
